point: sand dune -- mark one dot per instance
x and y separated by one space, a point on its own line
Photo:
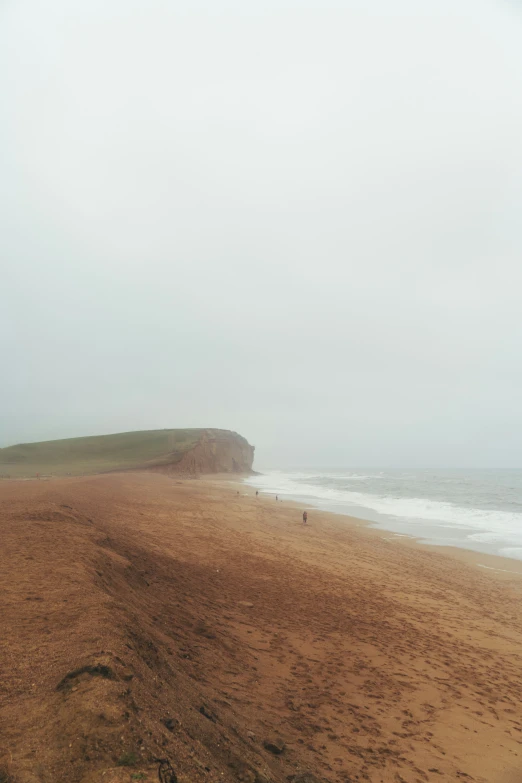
144 617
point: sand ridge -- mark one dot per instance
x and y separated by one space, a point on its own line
195 623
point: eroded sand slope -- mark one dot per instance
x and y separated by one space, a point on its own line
145 617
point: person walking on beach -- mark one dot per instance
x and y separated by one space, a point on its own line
305 517
257 492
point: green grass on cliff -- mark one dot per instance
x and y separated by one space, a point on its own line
97 454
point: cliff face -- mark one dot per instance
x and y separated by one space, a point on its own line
217 451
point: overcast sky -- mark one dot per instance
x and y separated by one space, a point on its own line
298 220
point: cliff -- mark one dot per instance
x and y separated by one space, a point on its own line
187 451
216 451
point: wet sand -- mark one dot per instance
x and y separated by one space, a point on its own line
374 658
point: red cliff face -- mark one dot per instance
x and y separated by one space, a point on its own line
217 451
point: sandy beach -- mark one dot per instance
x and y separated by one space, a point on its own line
148 617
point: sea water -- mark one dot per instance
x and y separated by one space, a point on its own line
474 509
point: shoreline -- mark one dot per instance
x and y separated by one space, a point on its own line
385 524
499 564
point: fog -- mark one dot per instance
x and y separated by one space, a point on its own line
296 220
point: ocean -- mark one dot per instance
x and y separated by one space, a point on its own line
474 509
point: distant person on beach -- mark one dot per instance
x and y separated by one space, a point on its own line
305 517
257 492
277 498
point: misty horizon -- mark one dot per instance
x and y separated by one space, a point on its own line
299 223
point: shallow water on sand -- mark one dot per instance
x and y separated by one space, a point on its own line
474 509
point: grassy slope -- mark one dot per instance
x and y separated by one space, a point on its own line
97 454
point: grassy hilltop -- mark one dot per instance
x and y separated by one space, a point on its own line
100 453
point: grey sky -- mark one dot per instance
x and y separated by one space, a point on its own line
301 221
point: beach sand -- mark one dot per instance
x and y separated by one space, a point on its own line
147 617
